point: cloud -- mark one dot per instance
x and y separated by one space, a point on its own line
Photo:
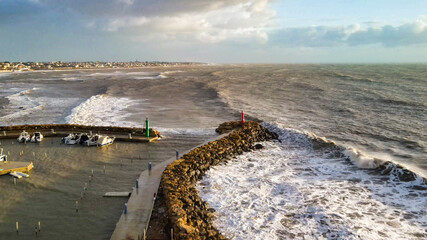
201 20
411 33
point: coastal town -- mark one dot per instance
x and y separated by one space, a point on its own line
60 65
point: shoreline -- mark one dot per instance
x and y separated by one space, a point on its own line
101 68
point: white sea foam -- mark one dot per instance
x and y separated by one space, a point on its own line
26 106
187 131
290 191
103 110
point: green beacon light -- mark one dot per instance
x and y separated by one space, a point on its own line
147 128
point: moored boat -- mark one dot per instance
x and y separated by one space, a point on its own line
37 137
99 140
72 138
24 137
3 158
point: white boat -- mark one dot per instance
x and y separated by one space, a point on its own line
15 174
24 137
37 137
83 138
71 139
99 140
3 158
22 174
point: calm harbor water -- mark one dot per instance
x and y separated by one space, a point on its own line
58 179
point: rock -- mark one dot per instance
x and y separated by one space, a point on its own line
188 214
259 146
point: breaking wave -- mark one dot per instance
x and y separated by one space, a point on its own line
102 110
306 187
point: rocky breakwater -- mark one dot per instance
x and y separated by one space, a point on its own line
189 216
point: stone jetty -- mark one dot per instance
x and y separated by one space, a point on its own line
189 216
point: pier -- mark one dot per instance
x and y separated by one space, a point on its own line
134 223
122 134
8 167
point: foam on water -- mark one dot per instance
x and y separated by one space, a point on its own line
26 106
289 190
187 131
103 110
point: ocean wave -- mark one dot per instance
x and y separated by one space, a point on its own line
102 110
295 190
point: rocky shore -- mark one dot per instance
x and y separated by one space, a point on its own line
188 215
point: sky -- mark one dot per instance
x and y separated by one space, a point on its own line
222 31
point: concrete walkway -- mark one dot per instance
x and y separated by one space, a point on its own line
140 204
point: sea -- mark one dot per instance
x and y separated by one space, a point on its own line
372 116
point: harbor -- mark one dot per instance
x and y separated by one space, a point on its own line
9 167
67 185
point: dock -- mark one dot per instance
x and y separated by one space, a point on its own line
117 194
133 224
8 167
122 134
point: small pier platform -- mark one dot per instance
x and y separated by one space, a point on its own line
117 194
8 167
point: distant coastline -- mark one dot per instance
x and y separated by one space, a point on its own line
8 67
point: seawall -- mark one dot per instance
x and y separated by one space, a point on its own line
189 216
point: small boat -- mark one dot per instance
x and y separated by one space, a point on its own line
22 174
37 137
24 137
72 138
99 140
83 138
15 174
3 158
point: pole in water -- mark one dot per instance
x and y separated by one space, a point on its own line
243 117
149 166
147 128
177 155
17 227
92 172
137 183
39 225
104 169
126 209
77 206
